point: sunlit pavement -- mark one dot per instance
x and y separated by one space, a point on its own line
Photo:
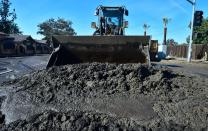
199 68
14 67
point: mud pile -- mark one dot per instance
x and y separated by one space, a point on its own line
129 96
87 121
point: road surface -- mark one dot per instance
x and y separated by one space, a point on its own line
194 68
14 67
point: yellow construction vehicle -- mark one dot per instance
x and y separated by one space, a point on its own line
107 44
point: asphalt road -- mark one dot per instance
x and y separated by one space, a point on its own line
192 69
14 67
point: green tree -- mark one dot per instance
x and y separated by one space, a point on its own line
7 18
201 33
171 42
55 27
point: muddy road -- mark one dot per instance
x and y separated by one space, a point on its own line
105 97
15 67
171 95
196 68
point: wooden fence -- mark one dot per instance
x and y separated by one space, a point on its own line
198 51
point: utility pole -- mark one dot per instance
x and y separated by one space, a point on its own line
193 3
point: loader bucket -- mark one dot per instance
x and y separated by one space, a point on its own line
87 49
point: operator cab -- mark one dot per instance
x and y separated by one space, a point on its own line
110 20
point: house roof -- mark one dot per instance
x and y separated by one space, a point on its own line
41 41
20 38
3 34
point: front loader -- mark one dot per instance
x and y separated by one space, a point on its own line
107 44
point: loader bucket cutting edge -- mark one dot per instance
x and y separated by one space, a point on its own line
103 49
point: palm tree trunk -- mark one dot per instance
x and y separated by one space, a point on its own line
145 33
165 36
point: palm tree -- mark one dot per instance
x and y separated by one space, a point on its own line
165 22
146 27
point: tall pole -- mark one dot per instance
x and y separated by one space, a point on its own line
165 36
165 22
192 30
146 27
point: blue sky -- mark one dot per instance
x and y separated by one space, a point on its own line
32 12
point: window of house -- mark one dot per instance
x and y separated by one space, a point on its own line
8 44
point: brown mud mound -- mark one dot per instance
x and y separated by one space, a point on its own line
87 121
154 98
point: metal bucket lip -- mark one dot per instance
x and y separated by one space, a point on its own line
103 35
143 38
101 40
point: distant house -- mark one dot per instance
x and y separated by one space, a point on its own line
42 47
21 45
7 45
2 34
25 44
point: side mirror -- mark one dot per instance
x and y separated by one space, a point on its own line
93 25
126 24
126 12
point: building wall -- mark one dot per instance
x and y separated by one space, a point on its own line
1 48
30 47
21 48
42 48
39 48
8 47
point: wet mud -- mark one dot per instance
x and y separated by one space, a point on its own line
105 97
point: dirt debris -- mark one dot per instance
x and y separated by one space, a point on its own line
153 98
78 120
